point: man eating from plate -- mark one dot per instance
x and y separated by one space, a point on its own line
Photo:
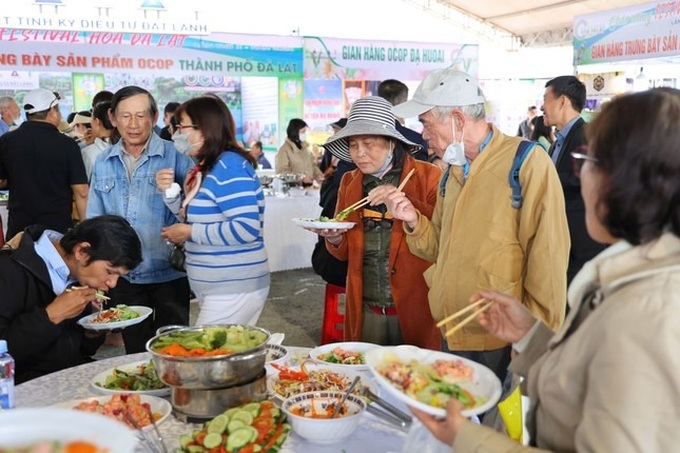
48 281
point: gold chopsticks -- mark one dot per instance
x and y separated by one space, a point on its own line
457 327
342 215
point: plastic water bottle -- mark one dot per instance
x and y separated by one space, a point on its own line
6 377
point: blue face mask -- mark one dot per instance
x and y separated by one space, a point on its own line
383 169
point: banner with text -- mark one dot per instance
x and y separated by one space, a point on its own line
330 58
649 30
213 55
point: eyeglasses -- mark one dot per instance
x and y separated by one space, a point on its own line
578 159
179 127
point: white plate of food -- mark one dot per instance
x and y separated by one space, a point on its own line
349 354
427 379
136 377
313 377
29 429
117 317
323 223
117 406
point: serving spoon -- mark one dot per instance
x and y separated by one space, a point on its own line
344 397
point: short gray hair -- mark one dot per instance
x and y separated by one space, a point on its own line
6 101
475 112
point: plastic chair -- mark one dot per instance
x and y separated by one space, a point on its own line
333 328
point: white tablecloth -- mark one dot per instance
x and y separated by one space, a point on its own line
288 245
372 435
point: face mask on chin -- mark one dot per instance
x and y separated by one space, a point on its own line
455 152
386 165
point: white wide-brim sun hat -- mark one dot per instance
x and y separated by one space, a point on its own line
370 115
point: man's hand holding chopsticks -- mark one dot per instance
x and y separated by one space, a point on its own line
506 318
70 303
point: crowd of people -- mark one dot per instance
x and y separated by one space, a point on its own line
570 230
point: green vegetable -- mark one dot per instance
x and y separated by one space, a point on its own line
233 338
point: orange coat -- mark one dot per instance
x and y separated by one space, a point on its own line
407 284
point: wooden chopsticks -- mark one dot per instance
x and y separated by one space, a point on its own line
457 327
364 201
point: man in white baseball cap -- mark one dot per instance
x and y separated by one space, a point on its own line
43 168
478 238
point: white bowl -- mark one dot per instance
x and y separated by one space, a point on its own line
348 346
324 430
276 353
23 427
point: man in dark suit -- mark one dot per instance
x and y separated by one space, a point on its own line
563 101
396 92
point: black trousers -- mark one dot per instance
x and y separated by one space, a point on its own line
169 301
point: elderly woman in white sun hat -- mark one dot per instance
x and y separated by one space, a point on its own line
386 293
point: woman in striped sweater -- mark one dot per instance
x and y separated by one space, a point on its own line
223 207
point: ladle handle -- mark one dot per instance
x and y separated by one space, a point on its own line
344 397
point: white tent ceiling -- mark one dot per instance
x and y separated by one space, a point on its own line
531 22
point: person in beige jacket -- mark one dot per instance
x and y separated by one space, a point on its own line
609 380
476 238
294 156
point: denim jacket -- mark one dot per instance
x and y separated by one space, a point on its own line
140 202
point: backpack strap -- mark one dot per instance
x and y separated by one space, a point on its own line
523 150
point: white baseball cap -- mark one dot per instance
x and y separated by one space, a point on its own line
442 87
40 100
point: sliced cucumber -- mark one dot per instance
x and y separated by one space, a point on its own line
240 438
184 441
253 408
275 412
218 424
235 425
245 417
212 440
195 449
232 411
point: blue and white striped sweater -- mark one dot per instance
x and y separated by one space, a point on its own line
226 254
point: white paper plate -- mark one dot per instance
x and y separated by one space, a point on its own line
158 406
24 427
484 383
311 223
349 376
350 346
144 313
128 368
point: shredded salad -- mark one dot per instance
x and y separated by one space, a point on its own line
115 314
143 377
343 356
433 384
291 382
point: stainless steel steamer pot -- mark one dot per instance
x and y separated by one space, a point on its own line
206 373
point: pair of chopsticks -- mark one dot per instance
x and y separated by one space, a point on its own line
364 201
465 321
98 295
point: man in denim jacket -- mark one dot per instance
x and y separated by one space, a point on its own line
123 183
